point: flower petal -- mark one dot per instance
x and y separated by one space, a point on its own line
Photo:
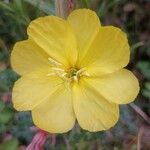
55 115
33 88
120 87
56 37
85 24
109 52
28 56
93 112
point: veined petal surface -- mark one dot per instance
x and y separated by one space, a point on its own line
85 24
56 37
56 114
93 112
120 87
108 53
27 56
33 88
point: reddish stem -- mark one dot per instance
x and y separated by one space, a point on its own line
38 141
140 112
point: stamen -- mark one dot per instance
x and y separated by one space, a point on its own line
58 69
75 78
81 70
54 62
64 74
70 75
86 74
51 74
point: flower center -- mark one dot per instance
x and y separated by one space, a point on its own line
71 74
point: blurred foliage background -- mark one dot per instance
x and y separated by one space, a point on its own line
132 131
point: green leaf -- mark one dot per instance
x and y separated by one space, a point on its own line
147 85
105 6
7 78
5 6
136 45
144 67
46 6
146 91
85 3
2 105
11 144
6 115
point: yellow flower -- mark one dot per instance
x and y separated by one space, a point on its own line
73 69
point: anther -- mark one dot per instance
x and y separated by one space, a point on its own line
82 72
64 74
54 62
58 69
51 74
86 74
